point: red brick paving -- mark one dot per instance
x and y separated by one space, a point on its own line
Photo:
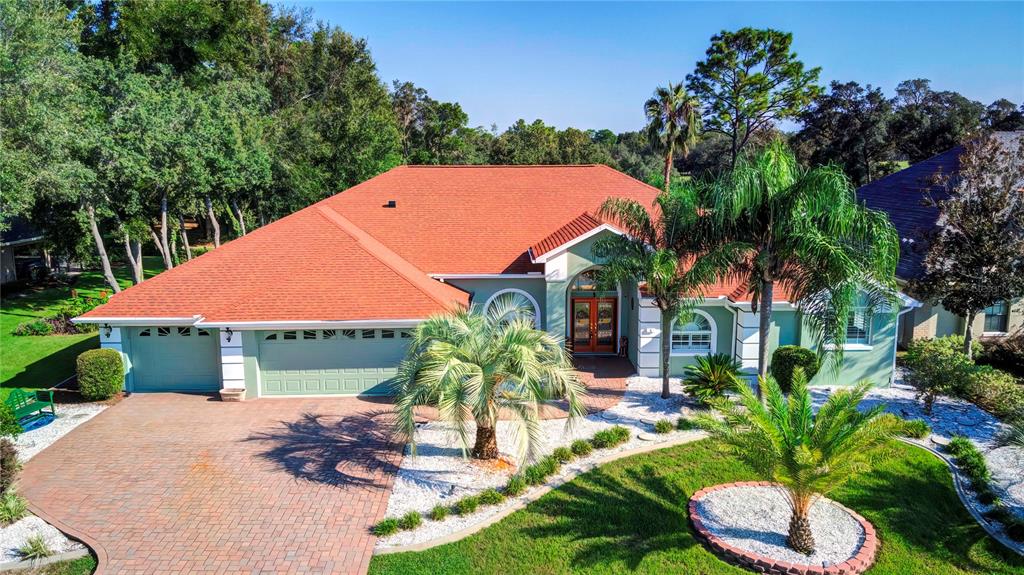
170 483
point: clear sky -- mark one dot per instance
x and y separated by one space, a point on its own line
591 65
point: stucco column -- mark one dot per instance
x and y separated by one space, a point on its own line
232 366
648 357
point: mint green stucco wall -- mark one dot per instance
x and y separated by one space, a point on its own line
250 363
482 289
725 323
874 365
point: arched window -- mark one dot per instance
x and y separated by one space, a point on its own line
517 298
695 337
586 285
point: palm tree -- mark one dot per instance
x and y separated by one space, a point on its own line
660 248
473 364
807 455
673 120
711 376
805 231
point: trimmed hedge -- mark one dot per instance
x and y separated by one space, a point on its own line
9 425
100 374
787 358
9 465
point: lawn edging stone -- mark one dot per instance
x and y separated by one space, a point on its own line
860 562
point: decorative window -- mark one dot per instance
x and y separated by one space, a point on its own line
517 298
858 328
330 334
348 333
695 337
271 337
997 317
184 331
163 331
289 335
387 334
203 332
309 334
369 333
145 333
405 334
588 284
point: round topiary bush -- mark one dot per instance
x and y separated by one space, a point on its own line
100 374
788 357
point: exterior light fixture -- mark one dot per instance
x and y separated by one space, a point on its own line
228 333
107 330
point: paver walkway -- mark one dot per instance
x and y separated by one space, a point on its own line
171 483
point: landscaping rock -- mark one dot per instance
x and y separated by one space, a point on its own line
17 534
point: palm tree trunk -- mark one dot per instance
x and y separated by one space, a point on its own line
969 334
668 169
486 446
108 273
764 327
213 222
800 537
666 346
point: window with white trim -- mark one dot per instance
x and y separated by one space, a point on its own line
693 337
858 327
514 298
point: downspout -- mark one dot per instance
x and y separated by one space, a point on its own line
896 339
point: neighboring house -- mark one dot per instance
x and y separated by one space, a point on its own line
20 251
904 196
322 302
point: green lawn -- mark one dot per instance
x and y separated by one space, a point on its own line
629 517
82 566
43 361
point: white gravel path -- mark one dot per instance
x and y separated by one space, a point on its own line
17 534
757 519
438 474
69 416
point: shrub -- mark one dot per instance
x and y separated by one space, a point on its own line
1015 530
386 527
789 357
610 437
711 376
538 472
9 465
439 513
9 425
100 374
34 327
663 426
959 444
35 547
490 497
684 424
581 447
410 520
562 454
936 368
994 391
1005 353
916 428
12 508
516 485
466 505
970 461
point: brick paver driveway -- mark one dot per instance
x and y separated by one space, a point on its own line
169 483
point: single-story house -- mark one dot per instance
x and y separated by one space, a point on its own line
904 196
322 302
21 251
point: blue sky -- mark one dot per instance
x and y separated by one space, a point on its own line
591 65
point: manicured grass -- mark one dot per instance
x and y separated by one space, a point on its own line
34 362
630 517
82 566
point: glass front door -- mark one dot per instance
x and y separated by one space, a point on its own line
593 325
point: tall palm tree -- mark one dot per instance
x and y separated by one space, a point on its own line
805 231
664 248
673 120
808 455
472 364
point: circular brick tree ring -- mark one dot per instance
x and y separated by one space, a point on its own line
862 559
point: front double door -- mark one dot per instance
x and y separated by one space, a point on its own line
593 325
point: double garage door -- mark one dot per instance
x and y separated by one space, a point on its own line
175 359
330 361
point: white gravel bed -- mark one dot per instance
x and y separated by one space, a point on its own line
438 474
757 519
69 416
1007 467
17 534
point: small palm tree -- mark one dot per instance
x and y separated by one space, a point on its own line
673 120
808 455
472 364
711 376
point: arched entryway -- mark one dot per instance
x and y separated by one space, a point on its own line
593 326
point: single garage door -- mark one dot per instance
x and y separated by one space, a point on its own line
330 361
175 359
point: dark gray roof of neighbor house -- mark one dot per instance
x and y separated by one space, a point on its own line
904 196
18 230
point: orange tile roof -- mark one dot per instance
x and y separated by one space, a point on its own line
580 225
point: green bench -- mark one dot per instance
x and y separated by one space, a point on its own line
25 404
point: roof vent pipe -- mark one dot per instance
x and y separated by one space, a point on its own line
391 204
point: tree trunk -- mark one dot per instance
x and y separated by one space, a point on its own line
165 246
108 273
800 537
184 238
133 249
486 446
764 327
666 346
735 152
969 334
668 169
239 216
213 222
